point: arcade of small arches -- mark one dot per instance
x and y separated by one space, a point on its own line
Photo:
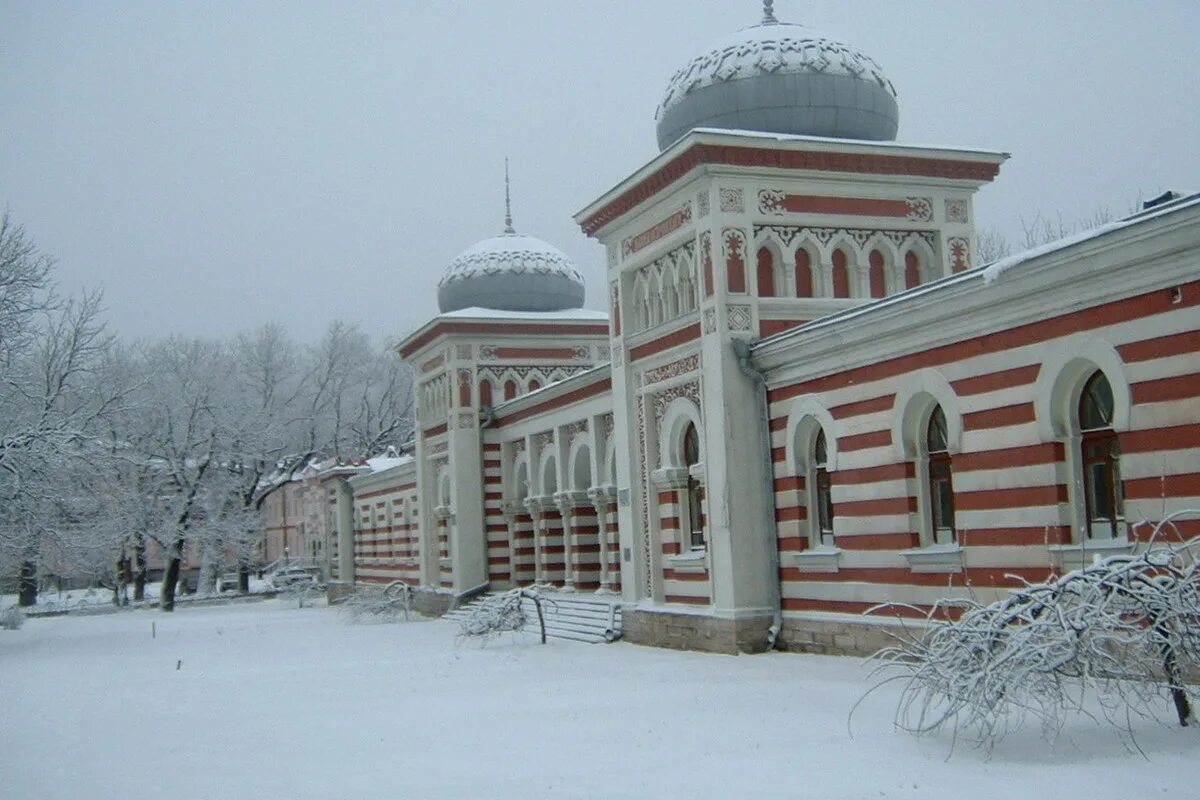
496 385
817 263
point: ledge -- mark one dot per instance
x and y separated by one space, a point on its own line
1077 555
692 561
940 558
820 560
669 478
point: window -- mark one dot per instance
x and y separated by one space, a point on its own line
912 270
878 285
766 273
691 457
485 394
941 484
841 274
822 497
804 276
1101 460
510 389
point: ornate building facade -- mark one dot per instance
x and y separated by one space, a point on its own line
806 398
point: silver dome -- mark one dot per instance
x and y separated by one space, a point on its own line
511 272
781 78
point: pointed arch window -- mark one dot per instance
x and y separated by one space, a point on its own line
695 515
510 389
912 270
875 274
1101 459
485 393
841 274
941 481
804 276
766 273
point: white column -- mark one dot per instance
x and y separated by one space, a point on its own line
534 505
602 497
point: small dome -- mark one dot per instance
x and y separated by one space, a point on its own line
780 78
511 272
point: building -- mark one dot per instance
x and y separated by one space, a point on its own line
806 398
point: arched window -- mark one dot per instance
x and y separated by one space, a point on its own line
485 393
912 270
878 284
534 385
841 274
766 273
804 277
691 457
821 495
941 484
1101 459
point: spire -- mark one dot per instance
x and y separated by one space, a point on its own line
769 13
508 226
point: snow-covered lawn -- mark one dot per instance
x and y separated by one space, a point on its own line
263 700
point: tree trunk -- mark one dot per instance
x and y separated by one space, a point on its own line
139 568
121 590
169 579
27 588
1183 708
244 579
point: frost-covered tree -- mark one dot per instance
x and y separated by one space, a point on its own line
1115 635
52 402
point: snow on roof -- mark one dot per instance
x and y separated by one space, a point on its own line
994 271
380 463
582 314
799 137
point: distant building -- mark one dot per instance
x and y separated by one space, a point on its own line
806 398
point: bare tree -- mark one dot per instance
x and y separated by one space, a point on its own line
52 401
1117 634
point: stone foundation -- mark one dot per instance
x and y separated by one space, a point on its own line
841 637
338 591
431 603
695 631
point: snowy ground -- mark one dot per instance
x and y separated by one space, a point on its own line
263 700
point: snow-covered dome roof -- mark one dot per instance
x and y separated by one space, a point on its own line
780 78
511 272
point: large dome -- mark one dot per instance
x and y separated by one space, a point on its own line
780 78
511 272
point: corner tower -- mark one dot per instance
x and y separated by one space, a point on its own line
730 235
511 322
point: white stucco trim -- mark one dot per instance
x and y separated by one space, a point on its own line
579 444
675 418
808 406
1066 365
915 398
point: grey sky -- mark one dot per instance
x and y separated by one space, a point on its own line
218 165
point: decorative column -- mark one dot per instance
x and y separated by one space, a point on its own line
534 506
511 511
567 502
601 498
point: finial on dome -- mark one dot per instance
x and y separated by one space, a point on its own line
508 226
769 13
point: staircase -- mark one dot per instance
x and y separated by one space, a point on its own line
578 617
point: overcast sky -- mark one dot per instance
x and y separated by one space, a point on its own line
215 165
